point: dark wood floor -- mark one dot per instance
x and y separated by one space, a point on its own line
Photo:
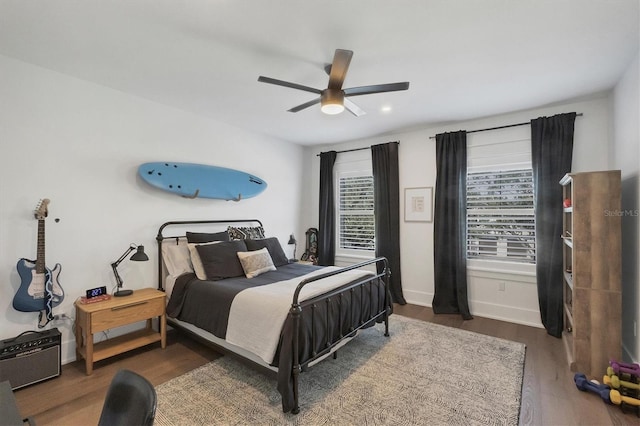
549 396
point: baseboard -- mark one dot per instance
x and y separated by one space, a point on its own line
68 351
627 355
483 309
418 297
506 313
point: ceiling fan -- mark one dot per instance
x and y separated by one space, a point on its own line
334 99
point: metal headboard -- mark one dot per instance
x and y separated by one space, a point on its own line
160 237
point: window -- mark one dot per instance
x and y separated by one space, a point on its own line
500 217
356 226
354 207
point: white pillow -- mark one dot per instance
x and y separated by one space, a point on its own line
198 268
256 262
176 257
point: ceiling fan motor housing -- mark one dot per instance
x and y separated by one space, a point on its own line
332 101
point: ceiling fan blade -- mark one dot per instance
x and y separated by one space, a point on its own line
305 105
378 88
353 108
339 67
288 84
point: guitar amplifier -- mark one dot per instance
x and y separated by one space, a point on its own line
30 358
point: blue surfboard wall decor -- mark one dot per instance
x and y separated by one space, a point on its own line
200 180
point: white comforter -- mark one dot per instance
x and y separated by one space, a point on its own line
257 314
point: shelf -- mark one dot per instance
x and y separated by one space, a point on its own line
568 278
591 277
567 311
567 339
124 343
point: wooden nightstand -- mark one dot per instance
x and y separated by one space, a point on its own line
93 318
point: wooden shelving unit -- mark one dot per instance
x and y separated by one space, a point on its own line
591 253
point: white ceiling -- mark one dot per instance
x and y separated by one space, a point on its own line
464 59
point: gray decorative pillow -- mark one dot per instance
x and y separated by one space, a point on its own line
220 260
198 268
245 232
256 262
273 245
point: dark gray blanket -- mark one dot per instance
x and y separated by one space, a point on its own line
206 304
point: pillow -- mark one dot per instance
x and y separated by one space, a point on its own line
245 232
220 260
256 262
202 237
196 262
273 245
176 257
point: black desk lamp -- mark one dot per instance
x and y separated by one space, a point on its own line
138 256
292 240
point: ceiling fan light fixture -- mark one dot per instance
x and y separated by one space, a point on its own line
332 101
332 109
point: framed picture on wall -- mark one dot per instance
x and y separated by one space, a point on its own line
418 204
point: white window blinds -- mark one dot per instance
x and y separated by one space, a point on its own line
356 228
500 215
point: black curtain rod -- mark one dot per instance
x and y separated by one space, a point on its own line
503 127
357 149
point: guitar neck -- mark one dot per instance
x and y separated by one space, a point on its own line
40 263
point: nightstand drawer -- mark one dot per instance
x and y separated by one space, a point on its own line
126 314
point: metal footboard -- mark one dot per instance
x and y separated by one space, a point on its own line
297 308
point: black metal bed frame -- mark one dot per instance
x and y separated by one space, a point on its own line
298 306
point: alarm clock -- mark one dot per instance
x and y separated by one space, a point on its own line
95 292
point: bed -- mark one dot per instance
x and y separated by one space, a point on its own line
278 316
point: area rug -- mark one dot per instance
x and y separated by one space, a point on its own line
423 374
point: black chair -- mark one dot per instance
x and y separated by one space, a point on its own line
131 400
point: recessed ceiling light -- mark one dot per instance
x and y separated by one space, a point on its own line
386 109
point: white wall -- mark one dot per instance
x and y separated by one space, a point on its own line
80 144
626 157
519 301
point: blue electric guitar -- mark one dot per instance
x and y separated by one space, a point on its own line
40 289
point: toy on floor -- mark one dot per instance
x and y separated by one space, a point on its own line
620 367
599 389
625 364
615 382
625 402
624 376
621 386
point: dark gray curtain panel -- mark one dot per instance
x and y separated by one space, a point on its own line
386 194
327 220
551 154
450 225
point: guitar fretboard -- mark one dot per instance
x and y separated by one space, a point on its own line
40 264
